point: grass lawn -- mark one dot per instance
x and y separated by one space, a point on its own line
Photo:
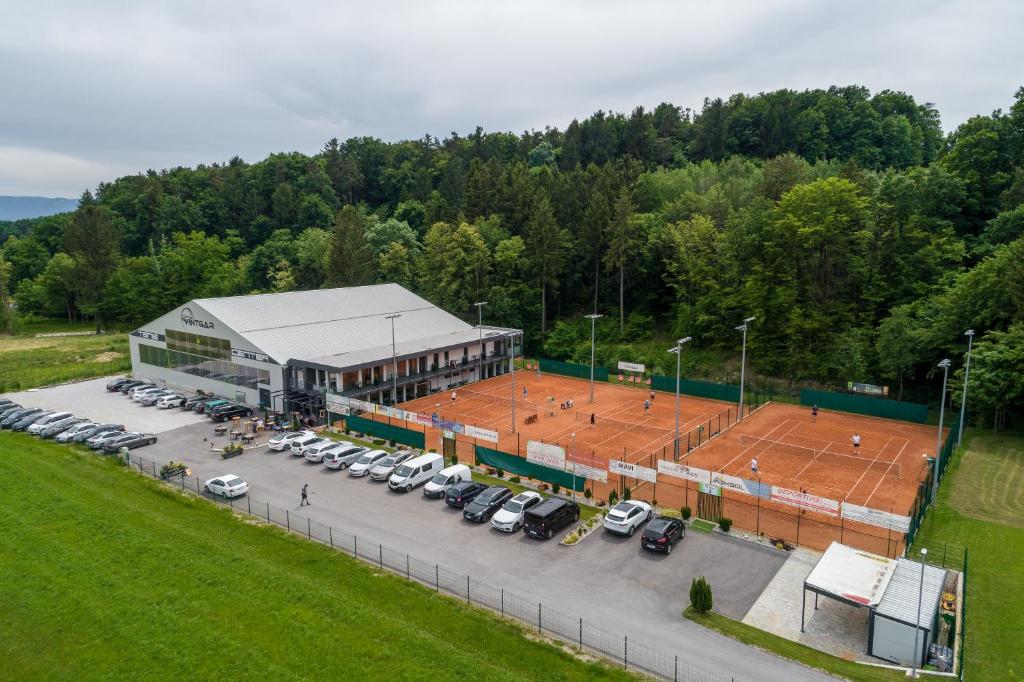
27 361
110 575
980 507
794 650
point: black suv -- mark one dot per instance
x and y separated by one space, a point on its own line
461 494
486 503
224 412
550 516
662 533
129 385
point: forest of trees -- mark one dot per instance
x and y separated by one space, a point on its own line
863 238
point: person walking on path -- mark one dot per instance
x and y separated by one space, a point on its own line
647 406
591 418
856 442
305 495
753 465
814 414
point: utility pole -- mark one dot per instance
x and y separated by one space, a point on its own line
967 374
593 319
394 359
678 350
743 361
480 327
938 438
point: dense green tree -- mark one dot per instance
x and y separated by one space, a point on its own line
997 375
622 246
546 244
350 262
312 248
93 241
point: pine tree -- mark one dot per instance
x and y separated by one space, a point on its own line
700 595
351 259
546 244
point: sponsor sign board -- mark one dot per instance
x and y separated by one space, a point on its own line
709 489
587 471
545 454
634 470
360 405
422 418
867 389
337 403
875 517
683 471
796 498
482 434
631 366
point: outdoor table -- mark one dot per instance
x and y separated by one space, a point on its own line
235 435
220 430
248 437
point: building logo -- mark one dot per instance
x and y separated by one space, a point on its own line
188 319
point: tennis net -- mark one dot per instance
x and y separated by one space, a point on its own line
496 400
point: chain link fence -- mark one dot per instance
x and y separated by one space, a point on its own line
632 654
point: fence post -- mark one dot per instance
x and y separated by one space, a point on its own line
183 480
625 652
248 503
287 520
503 602
330 535
799 513
309 529
581 633
675 671
437 578
268 512
407 567
539 621
355 546
467 589
380 549
197 487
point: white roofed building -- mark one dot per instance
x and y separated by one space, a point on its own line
284 351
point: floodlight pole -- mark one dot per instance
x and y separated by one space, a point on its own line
743 361
917 624
480 327
938 437
967 373
394 359
593 319
512 371
574 466
678 350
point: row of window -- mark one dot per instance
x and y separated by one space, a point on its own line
214 370
197 344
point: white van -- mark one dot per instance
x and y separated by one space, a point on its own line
416 471
445 479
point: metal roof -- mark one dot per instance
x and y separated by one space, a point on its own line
853 575
901 596
344 324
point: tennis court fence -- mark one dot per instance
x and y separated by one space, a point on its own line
632 653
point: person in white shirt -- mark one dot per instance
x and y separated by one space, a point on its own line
856 442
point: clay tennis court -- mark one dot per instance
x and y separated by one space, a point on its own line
555 407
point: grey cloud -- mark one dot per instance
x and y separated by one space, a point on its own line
122 87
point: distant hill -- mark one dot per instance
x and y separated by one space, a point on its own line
16 208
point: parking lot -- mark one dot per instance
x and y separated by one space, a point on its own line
605 579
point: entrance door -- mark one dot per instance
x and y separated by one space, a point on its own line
709 507
265 398
448 448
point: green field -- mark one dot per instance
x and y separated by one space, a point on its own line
27 361
980 508
110 575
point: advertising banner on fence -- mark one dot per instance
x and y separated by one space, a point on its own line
422 418
875 517
796 498
396 413
741 485
631 366
634 470
545 454
683 471
338 404
360 405
708 489
587 471
481 434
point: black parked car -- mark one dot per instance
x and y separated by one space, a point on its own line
18 415
116 384
129 440
662 533
208 404
483 506
550 516
129 385
191 403
8 410
224 412
6 403
461 494
28 420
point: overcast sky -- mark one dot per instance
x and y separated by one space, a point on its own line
94 90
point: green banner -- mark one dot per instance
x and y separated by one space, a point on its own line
570 369
862 404
386 431
701 389
521 467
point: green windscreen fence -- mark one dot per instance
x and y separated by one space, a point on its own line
521 467
861 404
701 389
386 431
570 369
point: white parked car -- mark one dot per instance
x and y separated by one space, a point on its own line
316 453
510 517
66 436
343 457
437 486
48 421
416 471
383 469
626 517
138 395
299 445
366 462
226 486
283 440
172 400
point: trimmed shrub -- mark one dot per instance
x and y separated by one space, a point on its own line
588 493
542 486
500 473
686 512
725 524
454 460
555 488
626 494
700 595
613 497
515 479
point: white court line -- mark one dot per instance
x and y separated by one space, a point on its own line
867 469
759 439
895 459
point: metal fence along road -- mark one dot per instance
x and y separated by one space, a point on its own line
632 654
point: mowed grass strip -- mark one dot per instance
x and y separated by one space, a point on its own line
995 571
27 361
990 483
109 575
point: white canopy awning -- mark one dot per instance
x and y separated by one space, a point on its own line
851 575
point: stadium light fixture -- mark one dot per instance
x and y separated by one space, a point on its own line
743 361
678 350
938 437
967 374
593 319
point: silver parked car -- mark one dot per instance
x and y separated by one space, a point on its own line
384 468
